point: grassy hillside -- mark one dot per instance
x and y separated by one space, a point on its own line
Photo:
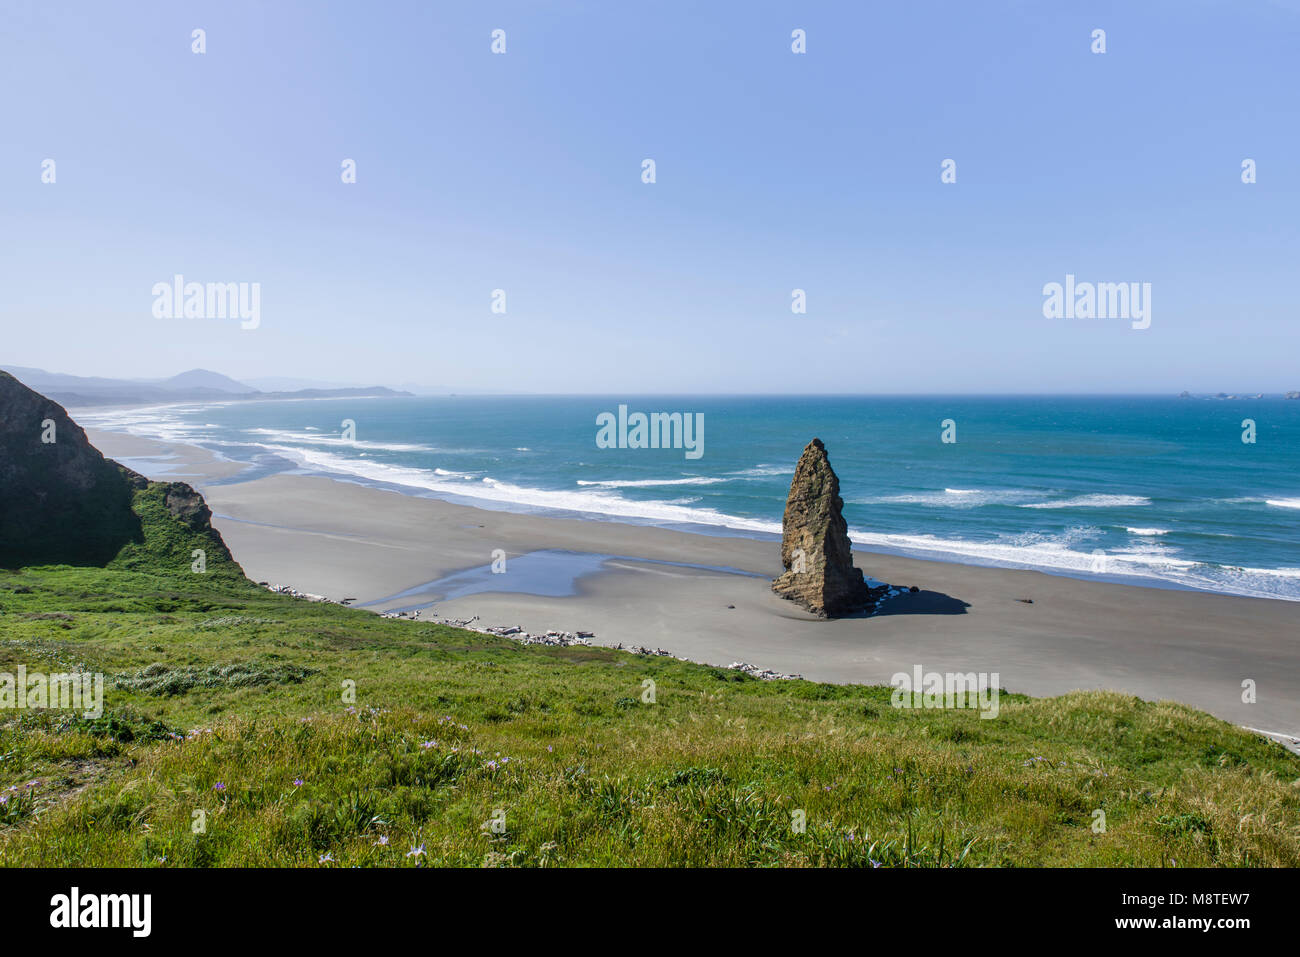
226 699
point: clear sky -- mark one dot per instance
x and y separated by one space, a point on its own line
775 171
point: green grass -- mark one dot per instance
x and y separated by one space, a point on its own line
221 696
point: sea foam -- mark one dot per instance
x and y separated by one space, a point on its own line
1094 501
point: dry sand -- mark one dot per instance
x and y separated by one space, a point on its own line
349 541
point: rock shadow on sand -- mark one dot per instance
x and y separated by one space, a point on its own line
922 603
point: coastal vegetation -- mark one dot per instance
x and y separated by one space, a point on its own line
243 727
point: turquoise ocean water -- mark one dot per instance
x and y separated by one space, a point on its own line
1160 491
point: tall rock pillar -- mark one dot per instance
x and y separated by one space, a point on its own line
815 549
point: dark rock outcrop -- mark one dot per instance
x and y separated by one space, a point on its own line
61 501
182 501
187 506
815 550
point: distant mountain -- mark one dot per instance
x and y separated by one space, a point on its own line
197 385
203 379
42 381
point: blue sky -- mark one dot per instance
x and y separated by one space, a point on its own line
775 171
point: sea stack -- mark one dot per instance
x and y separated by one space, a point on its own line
815 550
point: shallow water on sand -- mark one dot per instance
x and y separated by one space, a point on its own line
552 573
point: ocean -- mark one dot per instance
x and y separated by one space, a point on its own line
1151 490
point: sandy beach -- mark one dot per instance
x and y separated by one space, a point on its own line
708 599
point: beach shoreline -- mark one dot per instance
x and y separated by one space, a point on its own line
1147 561
707 598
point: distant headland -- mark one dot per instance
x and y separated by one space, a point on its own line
1229 395
196 385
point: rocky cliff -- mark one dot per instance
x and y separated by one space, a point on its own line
61 501
815 549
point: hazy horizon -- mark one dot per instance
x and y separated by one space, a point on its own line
775 171
303 382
